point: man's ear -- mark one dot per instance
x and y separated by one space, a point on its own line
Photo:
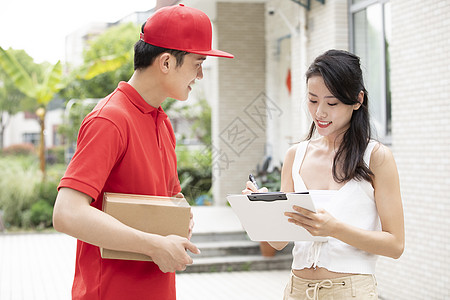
164 61
360 101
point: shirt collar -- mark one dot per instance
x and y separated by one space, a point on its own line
137 99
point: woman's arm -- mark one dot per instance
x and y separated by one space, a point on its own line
390 241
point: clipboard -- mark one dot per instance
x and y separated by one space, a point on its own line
262 216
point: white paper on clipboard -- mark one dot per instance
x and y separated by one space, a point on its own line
262 216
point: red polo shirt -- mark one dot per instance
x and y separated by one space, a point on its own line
125 146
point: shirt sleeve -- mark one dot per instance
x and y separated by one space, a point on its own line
99 146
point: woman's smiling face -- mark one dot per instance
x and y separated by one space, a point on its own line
330 115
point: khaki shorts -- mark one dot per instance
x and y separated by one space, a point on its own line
357 287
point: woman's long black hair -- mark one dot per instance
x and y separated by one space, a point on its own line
341 72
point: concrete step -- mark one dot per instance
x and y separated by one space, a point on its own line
230 248
206 236
227 248
221 253
280 261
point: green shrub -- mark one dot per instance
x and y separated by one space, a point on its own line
26 219
19 177
194 172
41 214
25 199
47 191
55 155
25 149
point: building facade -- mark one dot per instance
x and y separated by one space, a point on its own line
404 47
24 128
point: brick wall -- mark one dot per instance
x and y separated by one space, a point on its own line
322 28
420 79
239 117
327 27
420 84
315 31
282 49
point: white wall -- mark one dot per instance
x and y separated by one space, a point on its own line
19 125
420 79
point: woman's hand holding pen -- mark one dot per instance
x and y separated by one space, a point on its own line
320 223
250 188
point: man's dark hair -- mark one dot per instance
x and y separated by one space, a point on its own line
145 54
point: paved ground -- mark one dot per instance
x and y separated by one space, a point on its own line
41 266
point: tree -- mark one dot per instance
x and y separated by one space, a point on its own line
12 100
201 128
9 98
40 88
107 61
110 52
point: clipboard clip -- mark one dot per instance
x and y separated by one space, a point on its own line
267 197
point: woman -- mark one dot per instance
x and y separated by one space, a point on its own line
354 183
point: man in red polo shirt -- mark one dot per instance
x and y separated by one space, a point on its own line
127 145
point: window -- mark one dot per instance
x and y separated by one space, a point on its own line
31 137
370 36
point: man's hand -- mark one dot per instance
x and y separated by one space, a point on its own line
170 254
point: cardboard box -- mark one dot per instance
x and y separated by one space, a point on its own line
152 214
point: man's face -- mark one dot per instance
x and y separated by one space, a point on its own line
183 77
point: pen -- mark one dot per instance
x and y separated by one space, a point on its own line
252 179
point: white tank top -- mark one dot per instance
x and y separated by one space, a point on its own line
354 204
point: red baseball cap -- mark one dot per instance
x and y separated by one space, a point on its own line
182 28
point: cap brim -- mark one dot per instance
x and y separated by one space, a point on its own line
212 52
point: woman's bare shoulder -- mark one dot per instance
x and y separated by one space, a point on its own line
290 156
381 156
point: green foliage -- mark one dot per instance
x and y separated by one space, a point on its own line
25 149
199 114
39 82
47 192
12 100
272 180
55 155
269 179
25 200
79 109
194 171
107 62
194 166
41 214
40 88
18 75
51 84
201 128
19 177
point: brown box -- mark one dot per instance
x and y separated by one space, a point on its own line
152 214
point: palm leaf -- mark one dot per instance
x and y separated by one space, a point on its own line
19 76
51 84
106 64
